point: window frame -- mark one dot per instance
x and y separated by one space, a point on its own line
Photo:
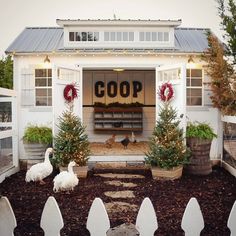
196 87
47 77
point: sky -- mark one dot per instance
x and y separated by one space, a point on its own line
15 15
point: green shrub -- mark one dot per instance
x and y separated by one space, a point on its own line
37 134
200 130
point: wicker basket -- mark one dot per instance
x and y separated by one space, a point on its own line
167 174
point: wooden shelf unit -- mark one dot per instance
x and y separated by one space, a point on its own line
118 119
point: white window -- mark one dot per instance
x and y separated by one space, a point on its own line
83 36
141 36
148 36
106 36
113 36
118 36
131 36
154 36
166 36
43 87
96 36
125 36
194 87
160 36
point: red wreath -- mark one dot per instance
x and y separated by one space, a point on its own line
70 92
166 92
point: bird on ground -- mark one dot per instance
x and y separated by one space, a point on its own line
109 142
125 142
133 139
66 180
40 171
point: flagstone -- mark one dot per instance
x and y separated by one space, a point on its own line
115 207
122 230
120 183
120 194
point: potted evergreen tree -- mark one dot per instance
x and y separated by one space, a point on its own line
36 139
199 138
167 152
71 143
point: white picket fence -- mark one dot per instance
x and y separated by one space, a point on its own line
98 222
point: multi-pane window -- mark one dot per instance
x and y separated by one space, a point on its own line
83 36
194 87
118 36
154 36
43 87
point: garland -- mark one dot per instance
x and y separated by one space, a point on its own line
166 92
70 93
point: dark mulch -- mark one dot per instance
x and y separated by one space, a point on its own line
215 193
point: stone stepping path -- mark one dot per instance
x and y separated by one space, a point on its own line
120 194
120 183
119 209
120 176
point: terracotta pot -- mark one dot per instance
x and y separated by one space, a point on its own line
80 171
167 174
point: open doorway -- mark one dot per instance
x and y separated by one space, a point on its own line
130 98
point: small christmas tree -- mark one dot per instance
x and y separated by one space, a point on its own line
167 148
71 142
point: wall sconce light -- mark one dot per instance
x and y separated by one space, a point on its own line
47 60
191 63
190 60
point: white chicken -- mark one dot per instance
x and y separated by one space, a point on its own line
66 180
40 171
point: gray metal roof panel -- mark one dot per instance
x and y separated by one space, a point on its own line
37 40
191 39
48 39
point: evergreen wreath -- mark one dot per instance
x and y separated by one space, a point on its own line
70 92
166 92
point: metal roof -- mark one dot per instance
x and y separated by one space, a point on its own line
50 39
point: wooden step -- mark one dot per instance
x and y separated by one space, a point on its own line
118 164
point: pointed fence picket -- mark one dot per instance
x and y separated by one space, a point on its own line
98 221
146 222
51 219
232 220
7 218
192 221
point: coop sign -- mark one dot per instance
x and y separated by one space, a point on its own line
112 88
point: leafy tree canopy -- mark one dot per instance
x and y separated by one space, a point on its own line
6 72
228 21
